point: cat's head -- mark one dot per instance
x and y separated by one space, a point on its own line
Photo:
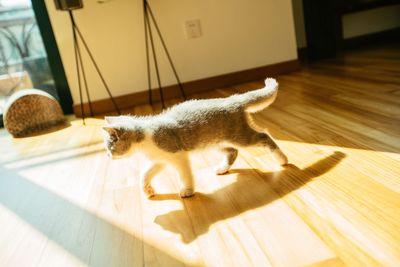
120 136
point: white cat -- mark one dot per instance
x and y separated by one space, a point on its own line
167 138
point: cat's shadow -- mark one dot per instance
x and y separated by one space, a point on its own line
252 189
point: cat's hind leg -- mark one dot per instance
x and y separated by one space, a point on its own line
264 140
182 165
147 175
256 137
229 158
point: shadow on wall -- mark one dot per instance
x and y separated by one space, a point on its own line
255 189
91 239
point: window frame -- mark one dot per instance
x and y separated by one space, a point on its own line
53 56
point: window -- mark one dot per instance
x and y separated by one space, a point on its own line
23 58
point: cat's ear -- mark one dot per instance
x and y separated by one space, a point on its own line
112 131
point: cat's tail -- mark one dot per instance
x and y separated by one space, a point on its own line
258 100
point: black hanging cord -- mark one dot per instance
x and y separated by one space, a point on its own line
166 51
154 57
97 69
84 78
146 38
77 65
148 17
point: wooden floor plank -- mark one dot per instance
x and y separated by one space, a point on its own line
64 203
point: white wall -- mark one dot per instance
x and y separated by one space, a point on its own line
355 24
237 35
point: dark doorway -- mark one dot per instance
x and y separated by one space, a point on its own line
323 23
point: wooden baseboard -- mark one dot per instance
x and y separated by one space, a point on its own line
105 106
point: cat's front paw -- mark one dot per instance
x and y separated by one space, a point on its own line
186 192
148 190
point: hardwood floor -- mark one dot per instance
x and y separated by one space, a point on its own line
64 203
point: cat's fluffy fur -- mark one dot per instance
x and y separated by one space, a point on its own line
167 138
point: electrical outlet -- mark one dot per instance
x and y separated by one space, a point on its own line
193 29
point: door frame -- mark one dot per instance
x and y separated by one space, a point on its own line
53 56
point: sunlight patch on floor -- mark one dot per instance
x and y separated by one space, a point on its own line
108 192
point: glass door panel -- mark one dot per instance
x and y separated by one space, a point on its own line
23 59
